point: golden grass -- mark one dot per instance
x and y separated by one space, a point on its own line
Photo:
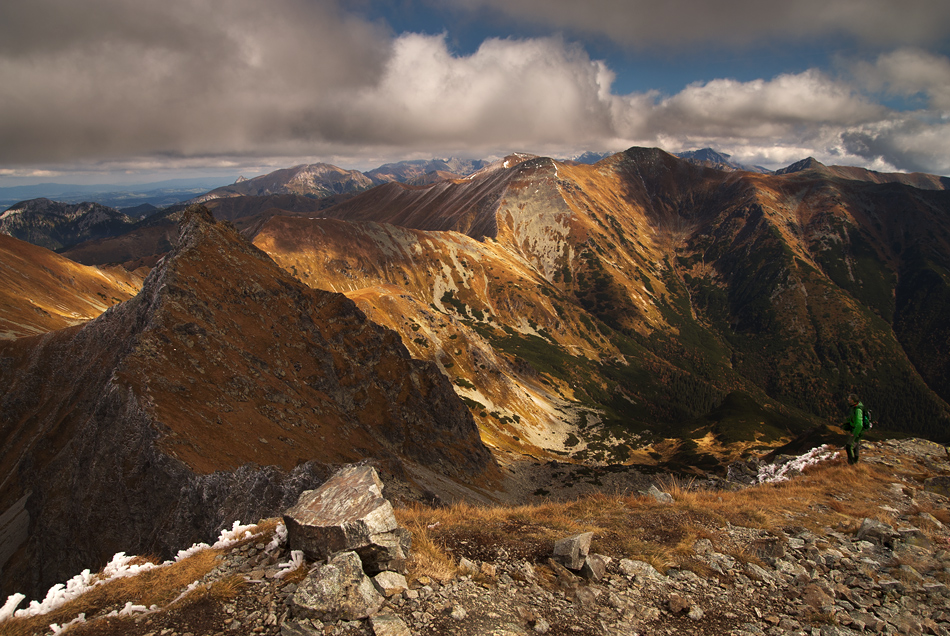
833 494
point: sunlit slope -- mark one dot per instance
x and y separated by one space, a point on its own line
674 286
41 291
448 296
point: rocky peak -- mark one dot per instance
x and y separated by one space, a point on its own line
809 163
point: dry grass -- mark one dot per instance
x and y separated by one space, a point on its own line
159 586
833 494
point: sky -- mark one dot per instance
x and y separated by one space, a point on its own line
124 91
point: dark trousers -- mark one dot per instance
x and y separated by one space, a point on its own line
852 448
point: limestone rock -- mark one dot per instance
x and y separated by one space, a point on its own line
337 590
390 583
389 625
345 513
639 568
572 551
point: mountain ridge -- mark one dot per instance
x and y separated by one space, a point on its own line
202 400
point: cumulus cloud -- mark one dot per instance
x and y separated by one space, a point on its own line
507 92
675 23
909 72
239 83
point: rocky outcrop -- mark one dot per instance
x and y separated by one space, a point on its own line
349 512
220 391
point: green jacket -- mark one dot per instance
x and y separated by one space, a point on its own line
855 422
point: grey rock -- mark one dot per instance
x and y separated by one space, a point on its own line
342 514
939 484
386 551
390 583
468 567
338 590
769 548
298 628
639 568
873 530
594 568
389 625
572 551
678 603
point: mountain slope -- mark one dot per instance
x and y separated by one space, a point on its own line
222 364
689 285
41 291
55 225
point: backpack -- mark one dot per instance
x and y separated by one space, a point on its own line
866 417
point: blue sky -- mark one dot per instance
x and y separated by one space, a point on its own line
114 91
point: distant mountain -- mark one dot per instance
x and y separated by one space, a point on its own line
854 173
314 180
158 193
591 157
412 171
651 308
720 161
56 225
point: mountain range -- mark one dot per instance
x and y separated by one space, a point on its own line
642 311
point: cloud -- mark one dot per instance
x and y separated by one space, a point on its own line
732 23
108 78
908 72
192 83
508 92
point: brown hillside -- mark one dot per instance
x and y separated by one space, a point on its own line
41 291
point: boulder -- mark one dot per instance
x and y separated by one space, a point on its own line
348 512
339 590
572 551
387 551
939 484
639 568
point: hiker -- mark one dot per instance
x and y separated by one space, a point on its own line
855 426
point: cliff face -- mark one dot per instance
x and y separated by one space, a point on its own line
145 428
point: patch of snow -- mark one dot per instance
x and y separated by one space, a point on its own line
773 473
280 537
296 561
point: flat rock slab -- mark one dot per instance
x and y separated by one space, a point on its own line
342 514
